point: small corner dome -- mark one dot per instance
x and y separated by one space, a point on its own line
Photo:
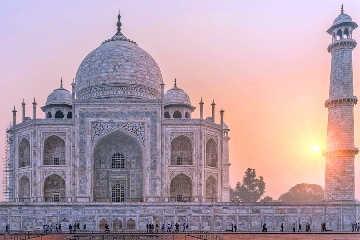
59 96
176 96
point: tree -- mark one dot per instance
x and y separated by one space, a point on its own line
267 199
303 192
251 188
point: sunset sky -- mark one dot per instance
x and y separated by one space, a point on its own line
264 62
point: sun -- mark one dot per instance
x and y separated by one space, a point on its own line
315 148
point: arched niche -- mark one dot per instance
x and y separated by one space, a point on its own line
211 153
54 189
181 188
103 223
59 114
211 190
187 115
181 151
54 151
49 115
166 115
24 189
130 224
69 115
24 153
117 225
177 114
106 171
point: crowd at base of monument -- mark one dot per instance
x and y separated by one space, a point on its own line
198 217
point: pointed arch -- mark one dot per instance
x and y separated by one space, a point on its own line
177 114
54 151
117 158
181 151
59 114
54 188
49 115
24 153
24 189
166 115
69 115
211 191
211 153
181 188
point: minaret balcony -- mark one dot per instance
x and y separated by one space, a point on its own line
341 100
342 43
340 152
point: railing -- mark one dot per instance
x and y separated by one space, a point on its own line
183 199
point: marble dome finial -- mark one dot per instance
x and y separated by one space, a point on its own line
175 83
119 23
342 8
61 85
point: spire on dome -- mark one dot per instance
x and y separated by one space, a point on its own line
61 85
175 83
342 8
119 23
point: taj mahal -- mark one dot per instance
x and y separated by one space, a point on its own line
118 150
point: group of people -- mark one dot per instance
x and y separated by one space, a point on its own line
72 228
150 228
355 227
307 227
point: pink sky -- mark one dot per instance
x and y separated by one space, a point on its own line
264 62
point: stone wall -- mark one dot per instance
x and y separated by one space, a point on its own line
208 217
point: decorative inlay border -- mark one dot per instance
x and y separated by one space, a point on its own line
174 135
61 135
188 172
100 129
61 173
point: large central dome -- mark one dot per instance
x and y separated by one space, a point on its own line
118 69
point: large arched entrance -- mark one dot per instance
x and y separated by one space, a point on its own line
181 189
54 189
118 169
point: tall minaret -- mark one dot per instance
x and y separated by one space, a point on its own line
340 150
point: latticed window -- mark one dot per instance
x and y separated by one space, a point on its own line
56 198
56 161
179 161
118 161
179 198
118 193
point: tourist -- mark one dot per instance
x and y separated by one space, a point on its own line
60 227
264 229
184 227
299 230
7 228
84 226
282 227
235 228
147 227
169 227
157 228
107 228
70 228
163 227
294 226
